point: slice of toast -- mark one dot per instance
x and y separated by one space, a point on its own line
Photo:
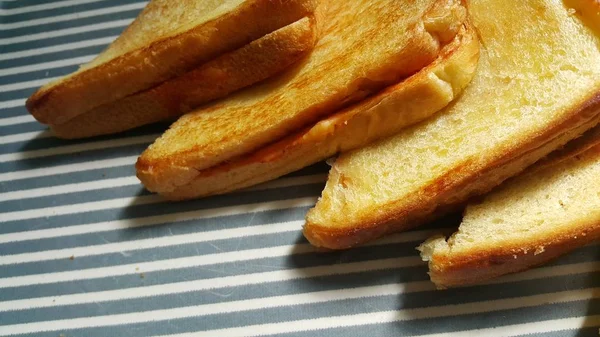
256 61
537 87
378 116
551 209
363 47
166 40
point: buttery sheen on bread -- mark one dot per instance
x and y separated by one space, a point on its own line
168 39
551 209
363 47
537 87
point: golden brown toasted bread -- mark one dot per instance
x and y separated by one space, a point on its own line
378 116
166 40
551 209
258 60
363 47
523 103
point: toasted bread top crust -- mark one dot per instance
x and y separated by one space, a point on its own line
167 39
363 48
522 96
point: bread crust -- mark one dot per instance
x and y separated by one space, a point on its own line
165 58
259 60
485 264
588 140
376 117
482 263
451 190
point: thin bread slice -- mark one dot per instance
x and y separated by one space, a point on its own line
551 209
256 61
167 39
363 47
523 103
378 116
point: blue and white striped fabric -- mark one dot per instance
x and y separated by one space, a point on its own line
85 251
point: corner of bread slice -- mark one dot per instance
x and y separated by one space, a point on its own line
348 228
161 44
163 175
551 209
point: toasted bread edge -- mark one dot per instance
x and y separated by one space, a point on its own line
63 99
260 59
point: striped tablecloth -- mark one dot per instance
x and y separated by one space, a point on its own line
85 251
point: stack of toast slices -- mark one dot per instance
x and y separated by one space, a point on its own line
424 104
174 57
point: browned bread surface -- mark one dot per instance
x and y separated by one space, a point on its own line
252 63
523 103
364 46
166 40
378 116
551 209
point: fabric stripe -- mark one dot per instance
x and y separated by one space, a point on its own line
14 120
103 41
222 255
80 6
286 281
56 4
26 136
42 66
26 84
22 127
240 299
557 325
15 232
394 316
220 270
312 324
145 213
105 28
561 327
150 243
110 184
60 178
72 16
195 286
138 233
34 213
47 171
45 139
13 112
78 148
